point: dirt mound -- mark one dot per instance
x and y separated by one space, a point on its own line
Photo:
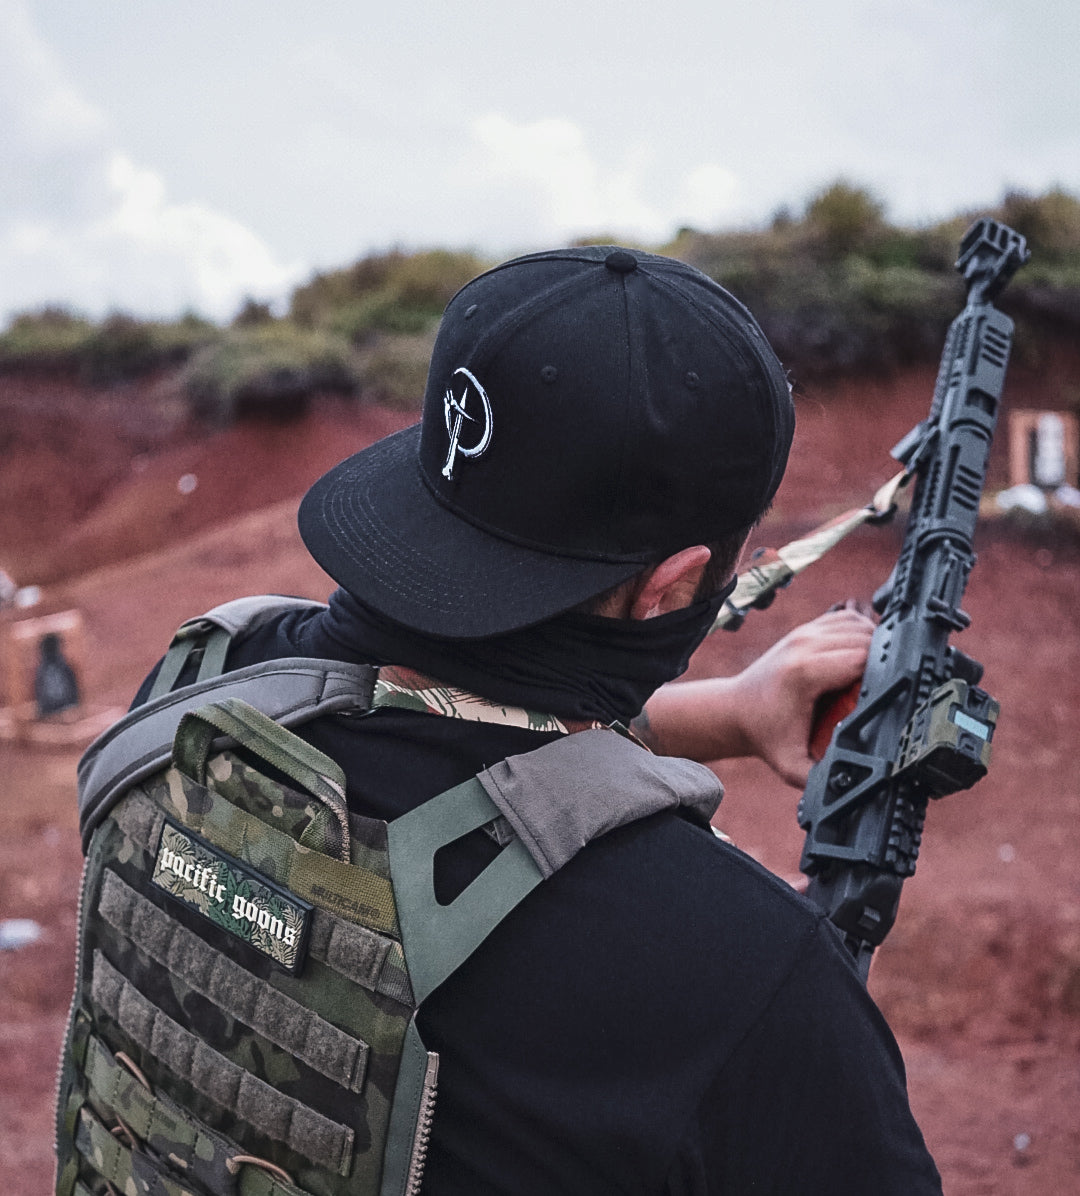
94 477
980 978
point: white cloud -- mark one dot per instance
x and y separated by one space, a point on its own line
82 225
194 255
548 165
709 195
549 161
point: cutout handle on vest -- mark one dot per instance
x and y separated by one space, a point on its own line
439 938
313 771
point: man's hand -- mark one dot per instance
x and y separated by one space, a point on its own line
766 710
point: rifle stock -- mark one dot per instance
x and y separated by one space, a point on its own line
921 727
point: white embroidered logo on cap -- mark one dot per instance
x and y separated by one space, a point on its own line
459 409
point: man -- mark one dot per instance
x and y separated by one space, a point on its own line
601 429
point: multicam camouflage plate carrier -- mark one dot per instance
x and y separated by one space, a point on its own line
252 955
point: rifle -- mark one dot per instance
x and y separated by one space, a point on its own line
921 727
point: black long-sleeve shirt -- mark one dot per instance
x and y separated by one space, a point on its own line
662 1015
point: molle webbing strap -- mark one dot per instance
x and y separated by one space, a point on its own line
171 667
369 959
290 691
167 1129
132 1170
213 632
276 1116
377 964
239 994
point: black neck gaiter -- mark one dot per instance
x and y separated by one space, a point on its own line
573 666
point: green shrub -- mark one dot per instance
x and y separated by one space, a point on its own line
116 350
267 370
121 347
359 319
252 313
386 293
844 218
1050 222
50 339
837 288
393 369
828 312
842 289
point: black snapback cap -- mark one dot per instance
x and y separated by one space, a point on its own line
588 412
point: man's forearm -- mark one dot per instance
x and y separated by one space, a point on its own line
696 719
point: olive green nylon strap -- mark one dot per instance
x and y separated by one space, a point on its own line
170 1129
439 938
133 1171
233 990
214 631
277 1116
214 642
288 753
215 650
171 667
119 1165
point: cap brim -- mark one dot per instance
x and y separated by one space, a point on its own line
372 524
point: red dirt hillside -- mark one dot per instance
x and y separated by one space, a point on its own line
981 977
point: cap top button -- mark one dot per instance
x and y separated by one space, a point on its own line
621 261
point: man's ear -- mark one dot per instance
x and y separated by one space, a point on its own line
671 585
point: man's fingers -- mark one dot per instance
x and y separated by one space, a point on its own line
828 631
836 668
841 622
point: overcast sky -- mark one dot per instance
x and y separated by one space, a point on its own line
163 155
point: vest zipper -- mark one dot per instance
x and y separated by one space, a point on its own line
424 1118
74 1007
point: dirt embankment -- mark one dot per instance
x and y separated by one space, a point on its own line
980 978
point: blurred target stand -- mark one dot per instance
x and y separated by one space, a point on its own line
42 671
1044 463
1044 447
